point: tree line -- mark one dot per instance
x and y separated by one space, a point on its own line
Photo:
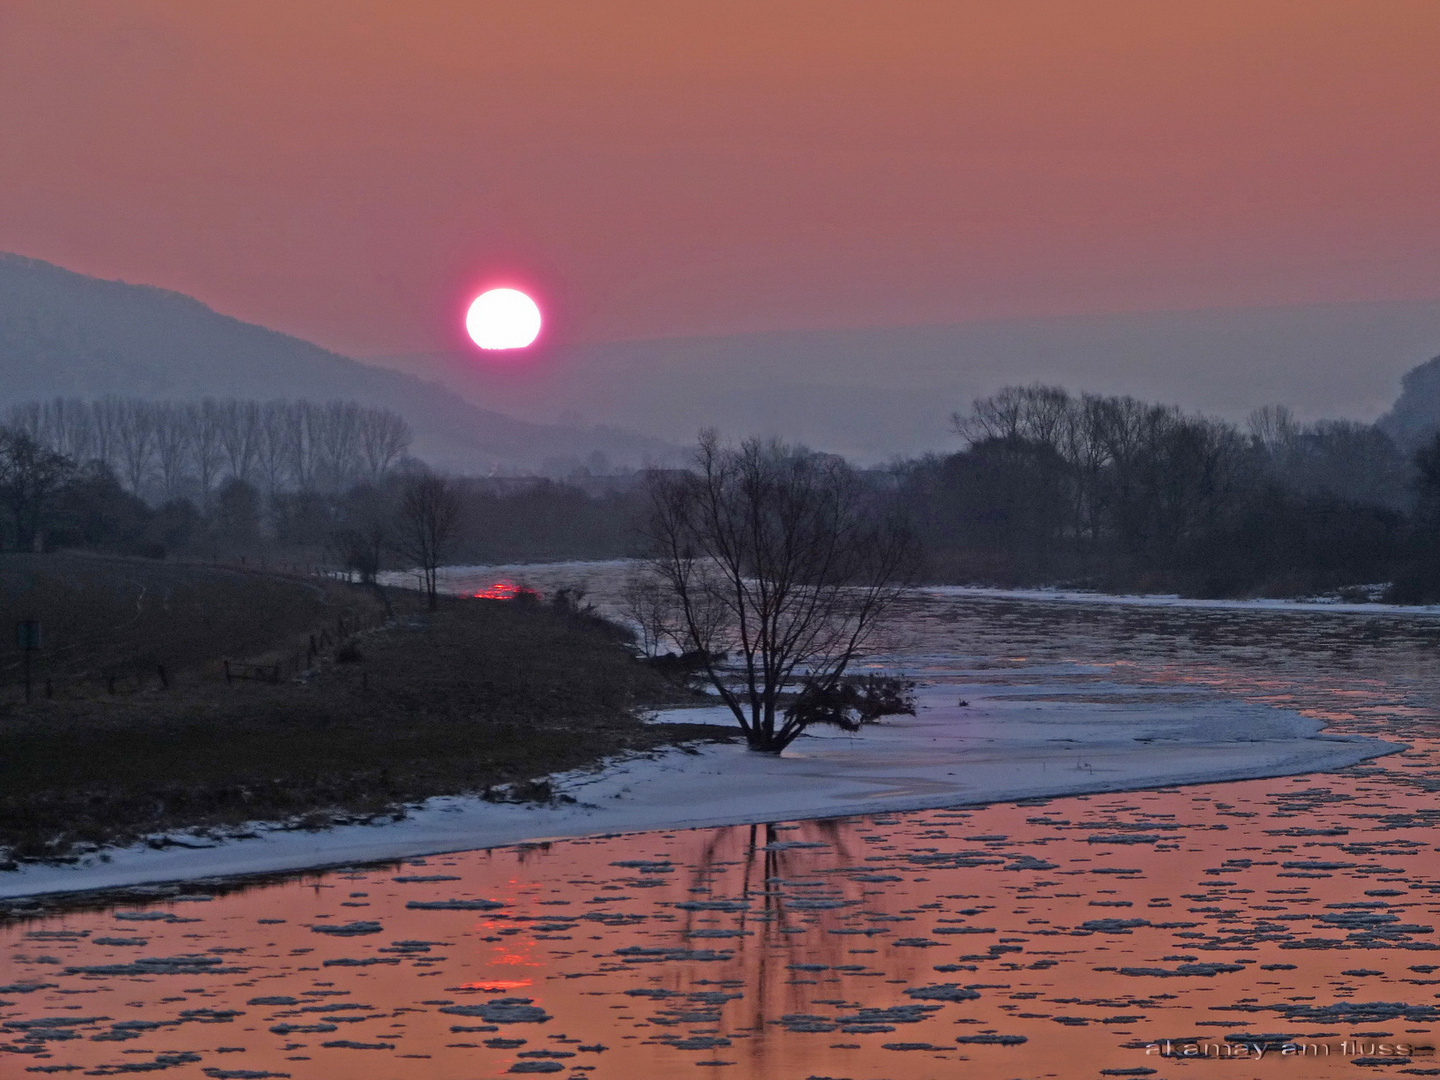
291 481
148 475
1116 493
1048 487
161 450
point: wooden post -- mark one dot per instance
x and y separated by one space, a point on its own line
227 672
164 678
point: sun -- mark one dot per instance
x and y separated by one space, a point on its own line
503 319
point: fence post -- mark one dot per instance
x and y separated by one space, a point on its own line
227 672
164 678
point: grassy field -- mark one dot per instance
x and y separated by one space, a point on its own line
479 693
105 617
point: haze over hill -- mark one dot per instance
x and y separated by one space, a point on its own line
66 334
878 392
871 394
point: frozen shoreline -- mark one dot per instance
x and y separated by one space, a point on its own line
1008 743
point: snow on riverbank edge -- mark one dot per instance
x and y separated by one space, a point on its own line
1006 743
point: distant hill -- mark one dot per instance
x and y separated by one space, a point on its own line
872 393
66 334
1416 413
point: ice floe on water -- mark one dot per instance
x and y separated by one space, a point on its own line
1049 951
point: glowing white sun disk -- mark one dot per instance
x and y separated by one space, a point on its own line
503 319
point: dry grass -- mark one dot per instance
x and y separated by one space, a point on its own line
126 617
477 694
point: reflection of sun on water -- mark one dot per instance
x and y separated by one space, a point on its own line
495 986
504 589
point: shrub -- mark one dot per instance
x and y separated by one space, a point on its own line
854 701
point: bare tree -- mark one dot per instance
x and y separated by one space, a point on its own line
105 415
205 423
240 437
646 602
426 525
65 427
335 444
384 439
1273 429
364 532
782 556
173 442
300 424
273 447
136 437
30 476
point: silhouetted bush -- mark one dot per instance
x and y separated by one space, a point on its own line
854 701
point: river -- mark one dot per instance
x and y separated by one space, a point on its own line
1061 937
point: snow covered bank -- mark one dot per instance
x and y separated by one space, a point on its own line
1008 742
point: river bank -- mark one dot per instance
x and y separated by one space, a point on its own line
1047 723
475 695
1007 742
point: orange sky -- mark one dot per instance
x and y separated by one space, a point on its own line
348 170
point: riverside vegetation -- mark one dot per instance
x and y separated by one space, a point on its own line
475 696
1046 487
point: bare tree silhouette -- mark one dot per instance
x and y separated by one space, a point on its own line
782 556
425 527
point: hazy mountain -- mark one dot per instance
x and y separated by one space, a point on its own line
63 333
874 393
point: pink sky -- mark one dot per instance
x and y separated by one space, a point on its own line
350 171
